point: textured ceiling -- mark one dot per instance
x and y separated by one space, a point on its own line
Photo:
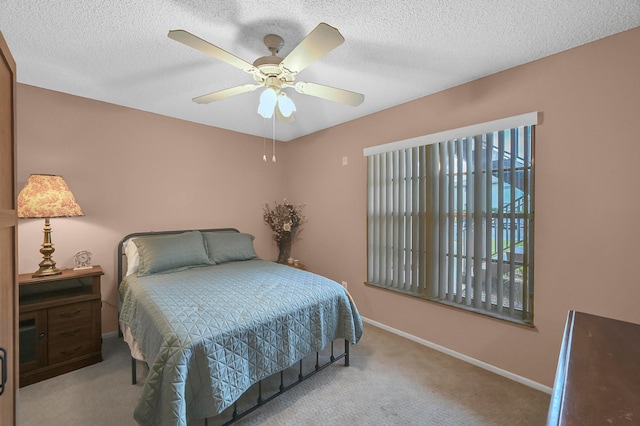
395 51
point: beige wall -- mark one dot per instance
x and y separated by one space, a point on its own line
586 191
587 231
134 171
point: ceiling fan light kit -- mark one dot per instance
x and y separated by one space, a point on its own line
276 73
286 105
272 97
268 101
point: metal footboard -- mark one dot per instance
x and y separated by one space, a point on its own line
282 388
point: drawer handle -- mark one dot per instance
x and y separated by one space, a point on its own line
71 352
69 314
69 333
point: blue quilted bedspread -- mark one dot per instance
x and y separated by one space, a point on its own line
209 333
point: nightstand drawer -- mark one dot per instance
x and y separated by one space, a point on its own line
70 333
69 316
68 350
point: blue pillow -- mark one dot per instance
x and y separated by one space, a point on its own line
162 253
229 246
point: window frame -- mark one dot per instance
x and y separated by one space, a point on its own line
484 306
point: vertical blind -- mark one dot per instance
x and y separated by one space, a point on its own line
452 221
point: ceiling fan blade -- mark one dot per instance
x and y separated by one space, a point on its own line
222 94
322 40
330 93
197 43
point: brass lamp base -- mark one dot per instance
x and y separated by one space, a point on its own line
45 271
48 265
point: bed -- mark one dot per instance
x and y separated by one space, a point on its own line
211 320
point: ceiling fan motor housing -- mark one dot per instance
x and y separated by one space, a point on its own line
274 43
269 66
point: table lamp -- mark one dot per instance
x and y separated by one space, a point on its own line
47 196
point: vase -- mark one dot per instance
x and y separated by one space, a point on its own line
284 248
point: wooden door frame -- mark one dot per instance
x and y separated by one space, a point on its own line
9 220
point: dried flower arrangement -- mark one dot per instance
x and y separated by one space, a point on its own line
284 219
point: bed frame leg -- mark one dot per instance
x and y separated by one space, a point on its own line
235 411
346 352
133 371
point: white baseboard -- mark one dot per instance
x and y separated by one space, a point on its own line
462 357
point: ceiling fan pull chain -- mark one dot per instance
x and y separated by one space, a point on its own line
264 140
274 139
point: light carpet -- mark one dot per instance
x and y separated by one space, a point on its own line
391 381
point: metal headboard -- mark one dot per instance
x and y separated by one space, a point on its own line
121 254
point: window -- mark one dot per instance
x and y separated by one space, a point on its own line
450 217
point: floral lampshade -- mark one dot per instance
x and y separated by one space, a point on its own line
46 196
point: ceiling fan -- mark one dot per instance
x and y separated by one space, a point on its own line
276 73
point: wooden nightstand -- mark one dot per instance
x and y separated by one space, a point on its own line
60 323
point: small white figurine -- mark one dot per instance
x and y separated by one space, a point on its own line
82 260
